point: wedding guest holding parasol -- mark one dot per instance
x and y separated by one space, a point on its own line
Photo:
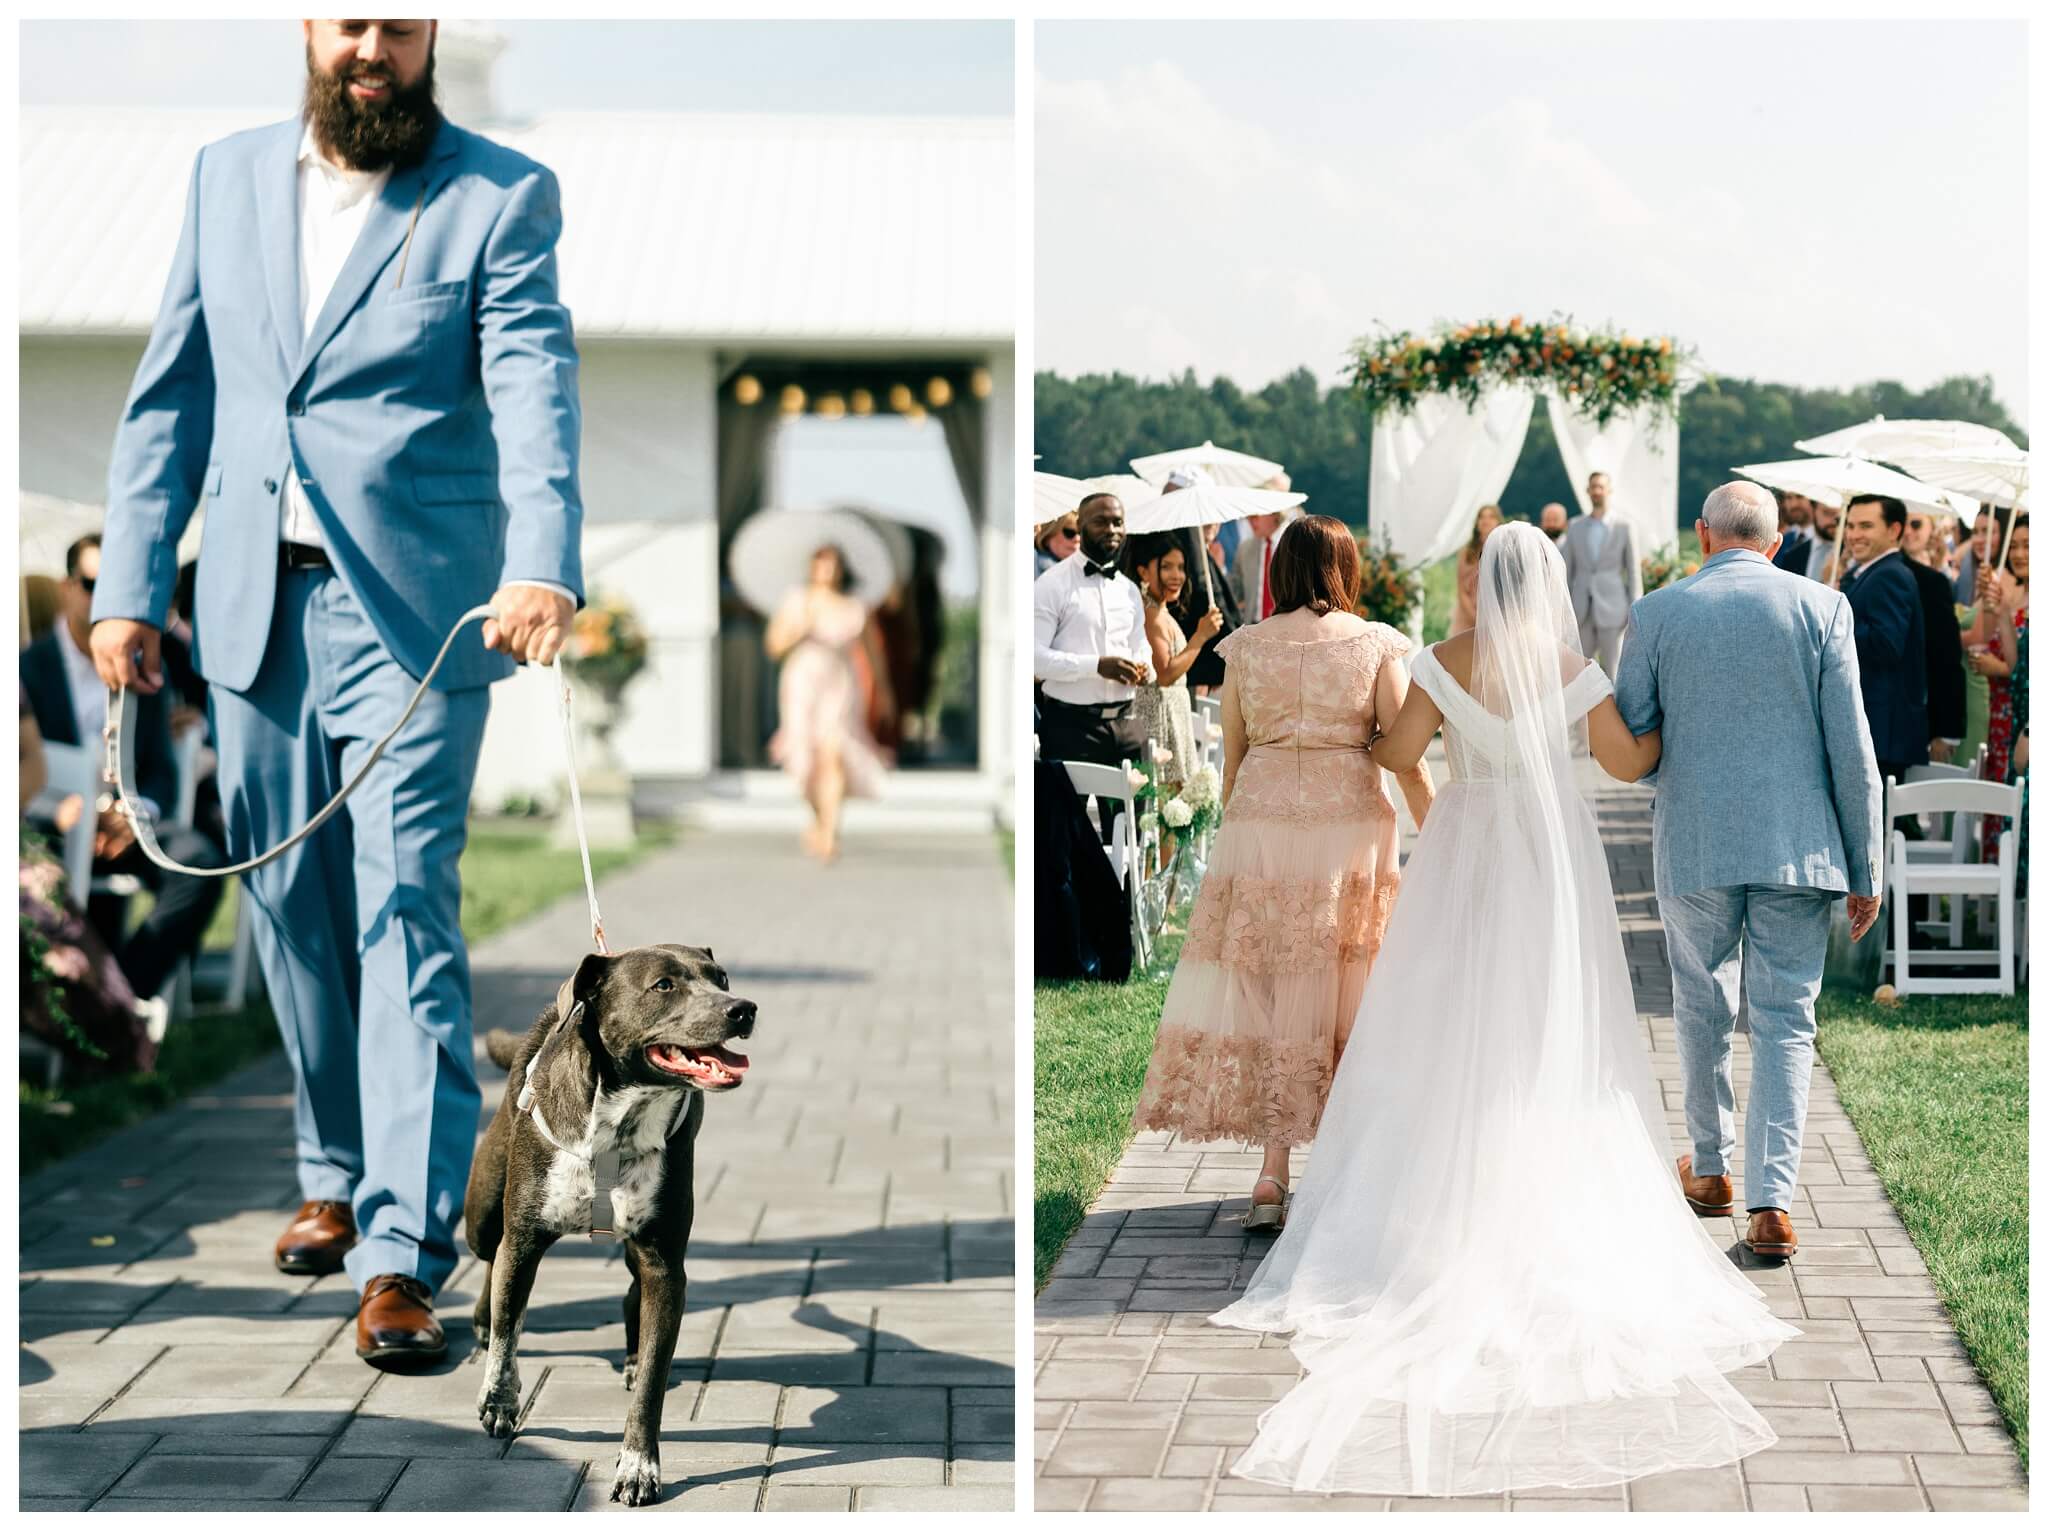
818 633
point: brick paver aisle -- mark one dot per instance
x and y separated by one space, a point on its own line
1141 1404
849 1330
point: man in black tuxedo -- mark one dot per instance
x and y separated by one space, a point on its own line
69 700
1891 634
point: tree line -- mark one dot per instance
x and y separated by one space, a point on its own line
1095 424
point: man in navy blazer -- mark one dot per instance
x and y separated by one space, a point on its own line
364 372
1891 634
1795 532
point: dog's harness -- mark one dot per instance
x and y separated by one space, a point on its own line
119 767
605 1161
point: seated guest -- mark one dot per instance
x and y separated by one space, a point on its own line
64 690
1089 651
74 995
1056 539
1891 639
1795 532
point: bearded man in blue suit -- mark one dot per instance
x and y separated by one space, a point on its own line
363 370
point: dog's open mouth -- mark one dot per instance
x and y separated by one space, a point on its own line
709 1068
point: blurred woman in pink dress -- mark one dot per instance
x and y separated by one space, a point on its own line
824 640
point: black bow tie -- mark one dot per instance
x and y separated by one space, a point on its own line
1090 568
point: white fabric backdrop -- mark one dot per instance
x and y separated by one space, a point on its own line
1639 454
1434 467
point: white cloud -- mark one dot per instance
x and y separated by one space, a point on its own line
1178 230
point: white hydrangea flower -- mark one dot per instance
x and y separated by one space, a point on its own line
1178 814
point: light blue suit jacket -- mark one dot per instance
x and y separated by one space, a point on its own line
1767 774
431 413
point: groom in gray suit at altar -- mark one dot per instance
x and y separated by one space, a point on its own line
1767 812
1604 573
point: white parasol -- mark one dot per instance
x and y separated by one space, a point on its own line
771 555
1205 504
1236 470
1838 480
1053 495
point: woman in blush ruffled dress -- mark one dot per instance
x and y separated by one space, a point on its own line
1302 874
818 634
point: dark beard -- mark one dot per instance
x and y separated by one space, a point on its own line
393 134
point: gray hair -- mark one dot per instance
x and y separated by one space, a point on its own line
1742 512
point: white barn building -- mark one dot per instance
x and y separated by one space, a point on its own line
718 268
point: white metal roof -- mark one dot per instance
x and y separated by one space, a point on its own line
730 228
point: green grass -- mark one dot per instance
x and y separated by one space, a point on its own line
1937 1088
1089 1053
508 873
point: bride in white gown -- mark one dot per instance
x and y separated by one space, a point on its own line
1491 1276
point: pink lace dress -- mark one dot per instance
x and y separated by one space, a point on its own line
1300 883
819 698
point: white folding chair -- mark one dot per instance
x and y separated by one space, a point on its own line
1952 842
74 771
1906 877
1113 784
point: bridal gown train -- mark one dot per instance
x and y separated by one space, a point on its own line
1492 1279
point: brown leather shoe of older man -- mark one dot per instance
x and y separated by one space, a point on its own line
395 1326
1709 1195
321 1232
1770 1235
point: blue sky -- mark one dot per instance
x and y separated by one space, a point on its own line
1820 203
906 68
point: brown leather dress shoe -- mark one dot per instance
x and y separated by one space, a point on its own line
395 1327
1709 1195
321 1232
1771 1235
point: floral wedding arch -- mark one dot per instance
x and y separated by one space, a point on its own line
1450 412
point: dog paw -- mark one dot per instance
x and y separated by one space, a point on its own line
498 1408
637 1478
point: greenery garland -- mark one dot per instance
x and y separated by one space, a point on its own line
1601 374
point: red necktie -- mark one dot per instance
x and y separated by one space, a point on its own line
1266 581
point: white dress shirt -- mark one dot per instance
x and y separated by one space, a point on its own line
1077 618
334 204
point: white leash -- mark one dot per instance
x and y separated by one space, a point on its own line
119 735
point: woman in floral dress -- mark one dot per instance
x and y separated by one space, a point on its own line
1302 876
2001 617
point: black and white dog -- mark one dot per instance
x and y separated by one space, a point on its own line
596 1134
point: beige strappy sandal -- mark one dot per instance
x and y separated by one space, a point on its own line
1269 1216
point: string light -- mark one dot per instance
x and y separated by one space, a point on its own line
746 389
938 393
792 400
861 402
980 384
830 406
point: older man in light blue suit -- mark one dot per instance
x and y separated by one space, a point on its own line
1767 811
362 369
